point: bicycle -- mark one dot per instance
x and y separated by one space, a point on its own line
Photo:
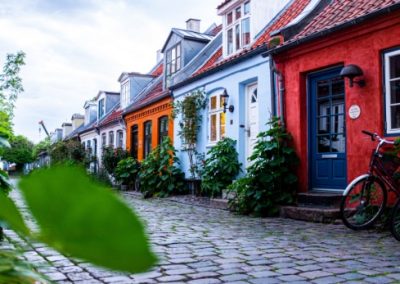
365 198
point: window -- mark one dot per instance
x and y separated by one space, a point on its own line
173 61
238 28
126 94
162 128
89 147
102 108
103 140
111 138
216 118
120 139
134 141
392 86
147 139
95 147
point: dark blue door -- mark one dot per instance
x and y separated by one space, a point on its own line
327 118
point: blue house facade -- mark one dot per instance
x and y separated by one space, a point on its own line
237 74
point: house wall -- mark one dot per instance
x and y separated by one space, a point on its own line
150 113
90 135
233 79
361 45
111 101
112 127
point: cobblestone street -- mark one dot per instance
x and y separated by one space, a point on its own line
201 245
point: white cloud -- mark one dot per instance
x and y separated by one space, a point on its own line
76 48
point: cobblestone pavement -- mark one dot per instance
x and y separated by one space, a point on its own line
201 245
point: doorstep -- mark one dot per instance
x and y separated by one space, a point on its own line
311 214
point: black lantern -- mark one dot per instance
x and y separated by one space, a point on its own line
352 71
225 98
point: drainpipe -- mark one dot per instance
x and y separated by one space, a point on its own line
281 88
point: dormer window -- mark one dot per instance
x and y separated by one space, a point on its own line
173 63
125 94
102 108
238 28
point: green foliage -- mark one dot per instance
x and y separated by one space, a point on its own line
15 271
159 175
5 125
70 151
189 108
220 168
42 146
9 212
20 152
111 157
85 220
270 180
10 82
101 176
127 171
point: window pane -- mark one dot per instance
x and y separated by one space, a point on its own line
237 37
246 31
178 50
322 89
221 102
173 67
395 113
173 52
337 86
324 143
213 127
395 92
246 9
324 126
222 125
229 18
213 103
238 13
178 64
230 41
395 67
338 143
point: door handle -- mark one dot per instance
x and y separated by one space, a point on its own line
248 130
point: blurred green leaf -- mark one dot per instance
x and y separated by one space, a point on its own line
86 220
10 214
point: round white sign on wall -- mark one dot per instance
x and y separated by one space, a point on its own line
354 111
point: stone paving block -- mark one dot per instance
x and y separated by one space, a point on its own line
264 274
171 278
233 277
77 276
352 276
314 274
286 271
179 271
207 269
56 276
265 281
379 280
203 275
328 280
205 281
310 267
291 278
69 269
118 279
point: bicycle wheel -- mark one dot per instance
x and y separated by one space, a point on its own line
363 203
395 221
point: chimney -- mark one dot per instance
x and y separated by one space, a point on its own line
66 129
159 55
193 25
77 120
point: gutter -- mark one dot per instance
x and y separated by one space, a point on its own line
251 53
345 25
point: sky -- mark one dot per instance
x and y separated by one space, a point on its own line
75 48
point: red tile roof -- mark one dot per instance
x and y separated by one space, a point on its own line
153 95
339 12
158 71
285 18
112 117
216 30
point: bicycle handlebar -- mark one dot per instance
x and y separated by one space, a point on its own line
375 136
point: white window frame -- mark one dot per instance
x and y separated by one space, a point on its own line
102 105
217 112
111 142
120 139
125 94
103 139
236 23
388 80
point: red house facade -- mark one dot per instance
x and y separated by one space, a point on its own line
324 114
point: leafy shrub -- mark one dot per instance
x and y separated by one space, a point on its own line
111 157
270 180
101 176
127 171
221 167
70 152
20 152
158 174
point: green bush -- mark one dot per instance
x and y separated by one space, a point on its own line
270 180
159 175
70 152
220 168
111 157
127 171
102 177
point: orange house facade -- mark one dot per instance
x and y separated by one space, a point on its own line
148 122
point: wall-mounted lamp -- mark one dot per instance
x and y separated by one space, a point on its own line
225 98
351 71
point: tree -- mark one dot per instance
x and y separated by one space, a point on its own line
42 146
11 82
20 152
